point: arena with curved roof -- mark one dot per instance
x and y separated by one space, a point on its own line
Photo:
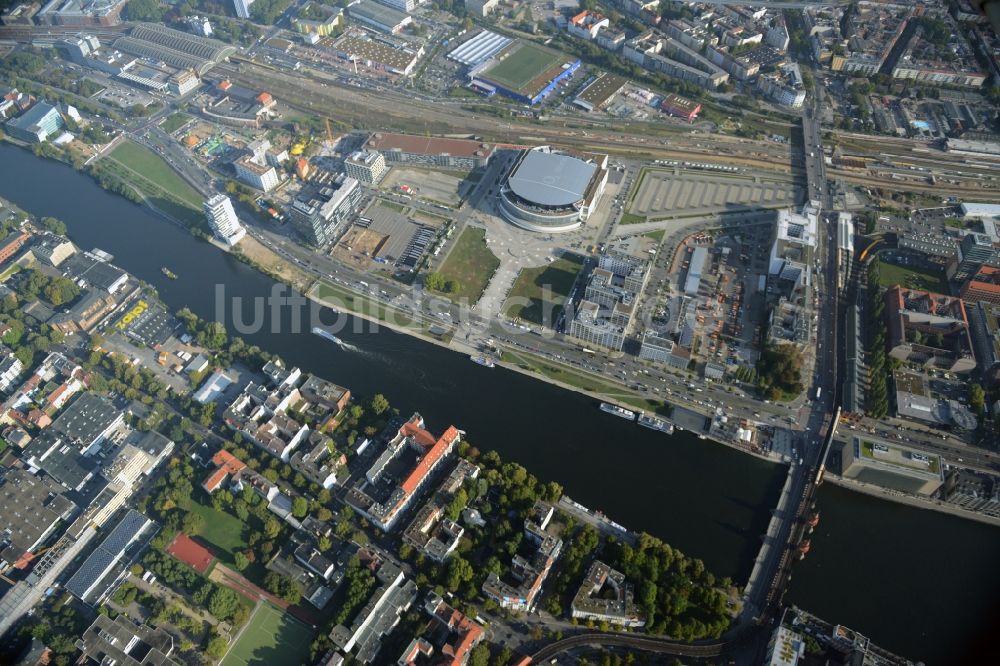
552 191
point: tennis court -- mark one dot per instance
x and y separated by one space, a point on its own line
270 637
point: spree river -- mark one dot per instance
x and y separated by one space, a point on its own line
918 583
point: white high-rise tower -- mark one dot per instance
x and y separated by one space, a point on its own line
222 219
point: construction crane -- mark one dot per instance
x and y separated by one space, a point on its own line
331 141
28 557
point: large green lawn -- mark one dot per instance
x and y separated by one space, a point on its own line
343 299
539 293
223 532
471 264
914 278
174 122
271 637
151 172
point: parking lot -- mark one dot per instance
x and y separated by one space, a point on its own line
675 193
429 184
124 96
384 235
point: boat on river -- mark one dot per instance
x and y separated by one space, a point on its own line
620 412
654 423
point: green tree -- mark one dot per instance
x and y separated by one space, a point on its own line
240 561
223 602
145 10
459 572
271 527
435 281
977 398
379 404
216 647
193 523
54 225
480 655
300 507
282 586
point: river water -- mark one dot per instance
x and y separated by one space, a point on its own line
918 583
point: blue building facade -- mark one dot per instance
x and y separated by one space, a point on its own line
486 83
36 124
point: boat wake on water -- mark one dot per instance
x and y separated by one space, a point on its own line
346 346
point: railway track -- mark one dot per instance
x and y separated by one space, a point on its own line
632 641
361 106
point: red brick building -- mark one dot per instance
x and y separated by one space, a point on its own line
11 244
983 286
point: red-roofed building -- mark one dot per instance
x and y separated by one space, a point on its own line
417 653
384 512
225 85
929 329
587 24
302 168
11 244
452 637
983 286
680 107
465 634
226 465
265 98
39 419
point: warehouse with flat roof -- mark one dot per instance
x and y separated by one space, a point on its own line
378 55
96 575
483 46
600 92
379 17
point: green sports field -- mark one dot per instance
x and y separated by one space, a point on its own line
523 66
271 637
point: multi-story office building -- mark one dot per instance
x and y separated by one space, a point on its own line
431 151
261 176
222 219
481 8
975 251
587 24
400 5
366 166
183 82
793 242
589 327
659 349
36 124
784 85
777 36
321 208
242 8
